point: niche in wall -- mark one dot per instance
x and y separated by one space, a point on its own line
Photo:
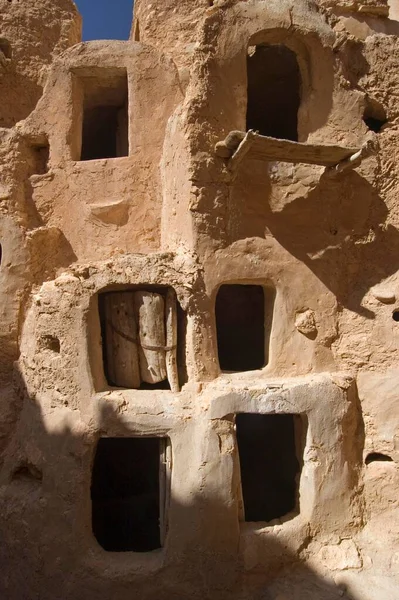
40 157
130 493
243 321
270 452
5 47
142 338
105 127
274 91
374 116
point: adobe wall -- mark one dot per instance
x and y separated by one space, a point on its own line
322 243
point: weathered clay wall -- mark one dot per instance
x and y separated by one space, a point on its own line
172 213
32 35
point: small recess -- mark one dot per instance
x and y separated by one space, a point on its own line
5 47
50 342
377 457
374 115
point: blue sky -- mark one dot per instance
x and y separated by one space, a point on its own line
106 19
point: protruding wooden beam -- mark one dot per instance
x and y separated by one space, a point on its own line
237 145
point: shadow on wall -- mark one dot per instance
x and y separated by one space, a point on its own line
48 551
338 230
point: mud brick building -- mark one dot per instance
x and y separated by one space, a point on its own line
199 302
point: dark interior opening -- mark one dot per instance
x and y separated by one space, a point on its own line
5 47
125 494
374 115
240 324
105 117
268 448
50 342
395 315
143 348
27 471
41 155
274 90
377 457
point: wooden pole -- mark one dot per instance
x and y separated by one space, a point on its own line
121 340
150 315
171 340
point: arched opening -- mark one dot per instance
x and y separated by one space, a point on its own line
374 116
274 91
377 457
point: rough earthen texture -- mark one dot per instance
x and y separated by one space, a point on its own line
171 214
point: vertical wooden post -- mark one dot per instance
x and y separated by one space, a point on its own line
171 340
150 311
121 340
165 472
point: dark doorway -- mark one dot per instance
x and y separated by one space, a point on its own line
128 493
274 89
240 324
268 446
105 117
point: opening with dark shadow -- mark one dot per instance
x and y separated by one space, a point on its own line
5 47
129 493
395 315
143 338
377 457
274 91
41 155
270 451
240 325
50 342
27 471
374 115
105 116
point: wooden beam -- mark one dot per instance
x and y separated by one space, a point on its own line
150 315
261 147
121 340
171 340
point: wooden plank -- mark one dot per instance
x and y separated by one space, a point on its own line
121 340
150 315
261 147
171 340
267 148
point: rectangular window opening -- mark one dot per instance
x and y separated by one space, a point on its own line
243 314
270 450
40 154
105 129
130 493
143 339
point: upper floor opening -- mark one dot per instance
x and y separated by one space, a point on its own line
274 91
